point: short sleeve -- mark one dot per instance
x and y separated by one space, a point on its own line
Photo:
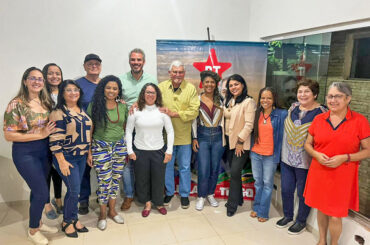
14 117
364 128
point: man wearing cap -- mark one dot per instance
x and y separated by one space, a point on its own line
132 83
182 104
88 83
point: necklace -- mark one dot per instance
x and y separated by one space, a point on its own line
265 118
117 118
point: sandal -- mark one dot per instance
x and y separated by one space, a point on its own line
81 230
73 234
262 220
253 214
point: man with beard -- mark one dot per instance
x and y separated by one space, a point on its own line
132 83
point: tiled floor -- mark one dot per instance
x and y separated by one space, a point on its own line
179 226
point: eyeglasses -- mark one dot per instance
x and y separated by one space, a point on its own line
150 93
178 72
36 79
335 97
93 64
76 90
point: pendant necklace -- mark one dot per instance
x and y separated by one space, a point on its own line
117 118
265 118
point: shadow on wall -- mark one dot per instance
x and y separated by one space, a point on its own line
12 185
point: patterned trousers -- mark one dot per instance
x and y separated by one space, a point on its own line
109 159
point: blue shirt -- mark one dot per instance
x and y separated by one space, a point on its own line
88 89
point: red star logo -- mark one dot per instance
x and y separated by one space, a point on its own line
301 68
212 64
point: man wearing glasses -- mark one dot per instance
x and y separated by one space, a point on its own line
181 103
88 83
132 83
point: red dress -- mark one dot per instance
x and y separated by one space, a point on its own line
335 190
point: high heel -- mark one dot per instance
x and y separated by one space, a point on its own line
81 230
73 234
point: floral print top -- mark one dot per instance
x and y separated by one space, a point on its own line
18 117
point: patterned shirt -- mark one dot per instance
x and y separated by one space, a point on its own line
73 132
207 117
295 133
18 117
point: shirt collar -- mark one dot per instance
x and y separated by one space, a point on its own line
348 115
182 85
132 77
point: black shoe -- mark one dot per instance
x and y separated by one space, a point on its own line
185 202
296 228
283 222
81 230
83 208
230 213
73 234
167 200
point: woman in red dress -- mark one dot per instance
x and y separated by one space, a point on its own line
337 141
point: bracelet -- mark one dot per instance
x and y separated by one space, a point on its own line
239 142
348 158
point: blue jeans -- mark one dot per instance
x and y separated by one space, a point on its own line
183 155
209 158
85 188
263 169
73 183
128 179
291 178
32 162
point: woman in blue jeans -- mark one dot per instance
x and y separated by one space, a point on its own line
27 125
70 145
207 138
265 152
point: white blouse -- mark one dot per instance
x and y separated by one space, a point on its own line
148 125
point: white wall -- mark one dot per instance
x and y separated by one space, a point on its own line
37 32
274 18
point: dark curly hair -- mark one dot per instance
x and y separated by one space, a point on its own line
244 93
217 98
99 114
141 99
61 101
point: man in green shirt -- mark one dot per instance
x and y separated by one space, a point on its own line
181 103
132 83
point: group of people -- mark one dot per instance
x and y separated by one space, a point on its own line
134 129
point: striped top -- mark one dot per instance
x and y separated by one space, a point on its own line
295 133
207 118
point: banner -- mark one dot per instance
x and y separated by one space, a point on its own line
249 59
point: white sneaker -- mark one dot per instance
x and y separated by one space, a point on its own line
211 199
199 204
38 238
48 229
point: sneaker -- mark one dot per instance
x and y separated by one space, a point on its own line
37 238
296 228
199 205
185 202
167 200
211 199
283 222
83 208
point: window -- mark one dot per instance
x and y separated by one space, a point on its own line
360 67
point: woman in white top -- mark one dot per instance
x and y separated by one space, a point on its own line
148 150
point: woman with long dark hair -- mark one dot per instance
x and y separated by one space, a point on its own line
207 138
27 125
53 76
70 145
108 151
266 149
147 150
239 113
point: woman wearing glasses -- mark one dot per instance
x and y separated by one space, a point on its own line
337 140
27 125
70 145
148 150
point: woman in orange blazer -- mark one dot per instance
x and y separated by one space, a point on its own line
238 122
